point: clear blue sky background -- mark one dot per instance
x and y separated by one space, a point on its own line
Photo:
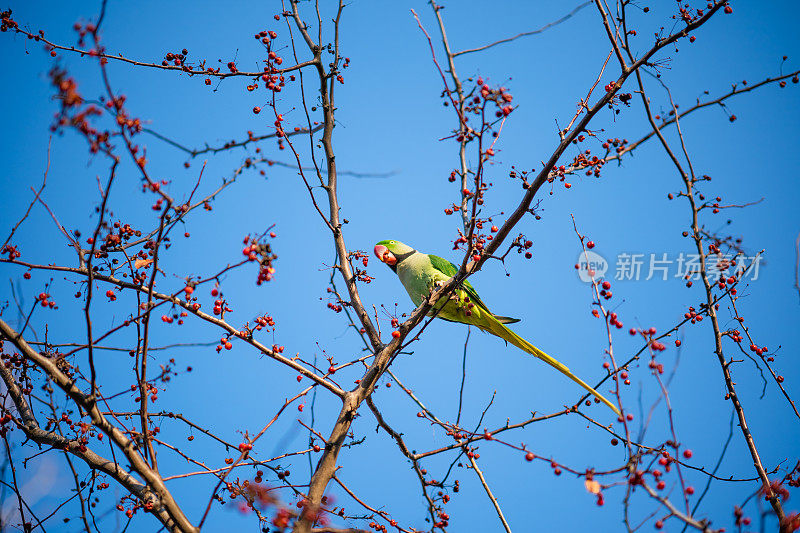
390 118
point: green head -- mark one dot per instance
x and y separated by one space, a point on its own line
391 251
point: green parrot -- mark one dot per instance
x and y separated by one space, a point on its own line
421 273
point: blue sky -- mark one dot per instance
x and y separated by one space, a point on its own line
390 119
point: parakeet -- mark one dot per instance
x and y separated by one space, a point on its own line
421 273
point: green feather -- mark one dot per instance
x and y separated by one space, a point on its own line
449 269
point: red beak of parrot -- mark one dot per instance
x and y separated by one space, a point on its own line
383 253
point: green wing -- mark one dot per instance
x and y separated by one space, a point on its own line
449 269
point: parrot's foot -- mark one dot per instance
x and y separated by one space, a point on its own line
441 283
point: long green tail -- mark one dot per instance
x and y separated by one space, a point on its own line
503 332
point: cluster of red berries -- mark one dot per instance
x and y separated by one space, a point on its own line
7 22
73 114
15 361
264 36
169 319
500 96
614 320
82 432
358 254
46 301
176 59
654 344
12 251
264 321
724 282
124 233
224 342
360 274
335 307
378 527
618 144
689 15
557 172
693 315
4 428
581 161
83 30
656 367
151 390
757 350
606 293
273 80
522 244
478 242
261 252
220 306
735 335
715 205
147 506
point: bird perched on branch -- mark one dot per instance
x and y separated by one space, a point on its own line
422 273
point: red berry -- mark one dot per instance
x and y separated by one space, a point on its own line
590 244
687 454
396 334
